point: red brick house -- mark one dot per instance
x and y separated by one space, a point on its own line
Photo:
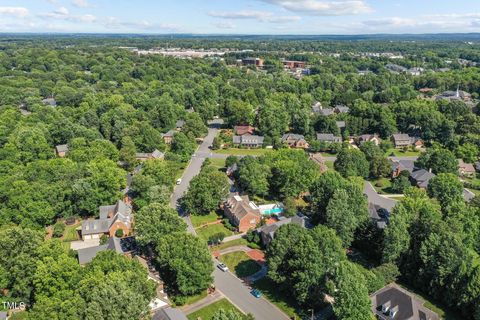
242 213
295 141
112 218
243 130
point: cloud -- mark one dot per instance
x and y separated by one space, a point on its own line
17 12
322 7
81 3
62 13
260 16
393 21
114 23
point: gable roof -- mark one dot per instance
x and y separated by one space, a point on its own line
292 136
270 229
62 148
467 167
422 177
242 130
180 123
328 137
169 313
248 139
240 207
401 137
327 111
119 211
119 245
157 154
341 124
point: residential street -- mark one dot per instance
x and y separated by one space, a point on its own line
239 294
377 199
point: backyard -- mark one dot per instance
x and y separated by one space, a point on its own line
208 312
240 263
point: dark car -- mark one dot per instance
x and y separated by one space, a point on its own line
256 293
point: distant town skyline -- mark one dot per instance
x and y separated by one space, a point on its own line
309 17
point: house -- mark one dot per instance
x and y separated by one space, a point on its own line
248 141
318 159
468 195
169 313
179 124
327 112
61 150
340 108
295 140
242 213
379 215
395 68
328 137
421 178
253 62
416 71
267 232
168 137
155 155
288 64
119 245
243 130
317 107
458 95
402 140
232 169
466 169
49 102
369 138
112 218
341 124
394 302
402 165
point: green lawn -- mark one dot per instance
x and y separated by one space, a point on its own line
229 244
243 152
218 163
70 234
208 231
270 291
208 312
329 165
385 188
401 153
240 263
190 299
201 220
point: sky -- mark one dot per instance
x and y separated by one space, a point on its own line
309 17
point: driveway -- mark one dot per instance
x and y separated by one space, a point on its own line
375 198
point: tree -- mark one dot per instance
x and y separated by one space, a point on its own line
351 294
221 314
206 191
184 146
322 190
352 162
253 176
402 182
128 152
446 188
26 144
468 152
185 263
438 160
346 211
194 126
380 167
155 221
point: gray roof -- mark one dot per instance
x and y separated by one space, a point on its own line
342 109
50 101
408 165
327 112
328 137
157 154
169 313
341 124
292 136
422 177
87 254
248 139
317 107
120 212
468 195
170 133
119 245
62 148
272 228
401 137
180 123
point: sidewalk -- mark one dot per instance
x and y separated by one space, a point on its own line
211 298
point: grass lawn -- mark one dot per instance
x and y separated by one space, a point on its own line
329 165
70 234
233 243
385 188
200 220
240 263
217 163
192 299
401 153
208 231
270 291
243 152
208 312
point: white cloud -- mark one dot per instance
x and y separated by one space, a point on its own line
114 23
81 3
62 13
261 16
225 25
17 12
322 7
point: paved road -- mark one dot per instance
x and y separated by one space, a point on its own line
239 294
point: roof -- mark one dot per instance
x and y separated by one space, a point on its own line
157 154
341 124
401 165
248 139
422 177
292 136
62 148
50 101
468 195
240 206
87 254
408 306
342 109
327 111
467 167
272 228
401 137
329 137
108 215
169 133
317 107
180 123
242 130
169 314
119 245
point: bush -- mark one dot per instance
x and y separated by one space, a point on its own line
58 229
119 233
103 239
379 184
252 245
228 225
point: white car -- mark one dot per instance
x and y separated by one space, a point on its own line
179 181
222 267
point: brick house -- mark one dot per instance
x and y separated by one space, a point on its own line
112 218
243 130
242 213
295 141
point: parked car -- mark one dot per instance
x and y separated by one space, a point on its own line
256 293
179 181
222 267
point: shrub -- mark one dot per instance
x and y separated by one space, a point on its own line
119 233
58 229
103 239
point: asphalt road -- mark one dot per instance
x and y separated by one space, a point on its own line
377 199
239 294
